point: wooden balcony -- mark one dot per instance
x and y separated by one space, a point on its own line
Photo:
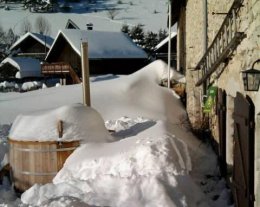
223 45
60 69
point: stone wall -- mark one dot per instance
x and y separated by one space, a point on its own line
191 51
231 79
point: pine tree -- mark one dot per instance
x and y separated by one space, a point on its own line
151 40
137 35
162 35
125 29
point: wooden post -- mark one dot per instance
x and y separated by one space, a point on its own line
60 128
169 42
85 73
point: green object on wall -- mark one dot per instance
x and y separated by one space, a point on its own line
211 99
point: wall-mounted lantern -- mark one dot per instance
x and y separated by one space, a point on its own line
251 78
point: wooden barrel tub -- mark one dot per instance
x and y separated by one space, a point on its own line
34 162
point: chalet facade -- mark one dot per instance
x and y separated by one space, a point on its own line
32 45
108 53
216 41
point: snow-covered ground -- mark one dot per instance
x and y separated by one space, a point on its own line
151 159
130 12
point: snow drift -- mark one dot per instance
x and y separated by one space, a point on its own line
138 94
79 123
136 171
155 161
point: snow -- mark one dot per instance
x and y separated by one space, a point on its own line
31 85
140 11
154 160
129 168
6 84
26 86
128 93
79 123
100 44
27 67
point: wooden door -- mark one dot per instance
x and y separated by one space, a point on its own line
221 111
243 170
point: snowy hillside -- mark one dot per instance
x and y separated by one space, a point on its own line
150 13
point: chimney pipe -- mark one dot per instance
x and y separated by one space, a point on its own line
90 26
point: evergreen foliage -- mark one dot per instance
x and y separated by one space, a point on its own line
162 35
148 40
125 29
137 35
151 40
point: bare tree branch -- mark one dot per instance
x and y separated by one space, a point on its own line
26 26
42 25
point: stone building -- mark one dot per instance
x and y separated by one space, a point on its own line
216 41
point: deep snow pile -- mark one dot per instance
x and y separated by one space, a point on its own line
136 171
158 163
138 94
79 123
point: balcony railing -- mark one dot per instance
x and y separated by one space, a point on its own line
60 68
223 45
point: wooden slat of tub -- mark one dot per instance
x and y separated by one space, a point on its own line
37 162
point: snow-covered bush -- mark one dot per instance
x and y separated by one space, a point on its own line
7 86
137 35
29 86
125 29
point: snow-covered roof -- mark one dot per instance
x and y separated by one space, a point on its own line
101 44
27 67
163 42
43 39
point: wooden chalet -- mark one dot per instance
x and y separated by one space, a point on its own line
108 52
32 45
26 68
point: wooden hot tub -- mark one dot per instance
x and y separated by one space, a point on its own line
34 162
